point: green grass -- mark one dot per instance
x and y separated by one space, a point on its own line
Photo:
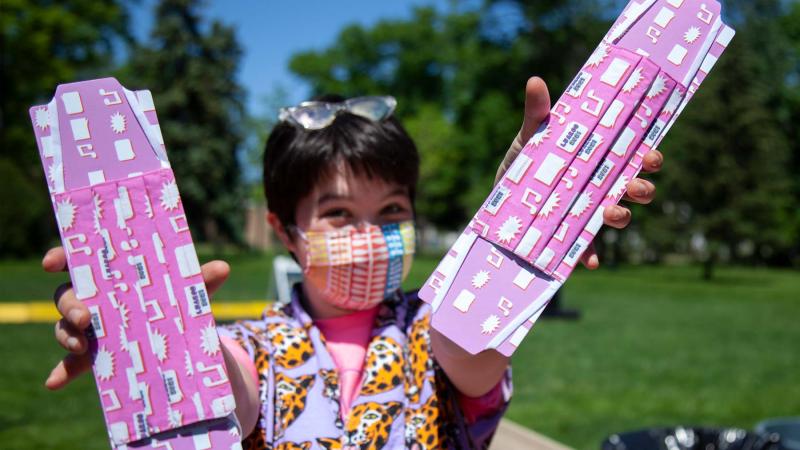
654 346
658 347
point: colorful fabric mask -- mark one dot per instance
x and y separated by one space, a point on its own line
357 268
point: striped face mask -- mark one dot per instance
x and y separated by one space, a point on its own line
358 268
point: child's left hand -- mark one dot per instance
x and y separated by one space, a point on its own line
537 107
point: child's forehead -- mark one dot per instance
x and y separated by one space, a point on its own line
343 181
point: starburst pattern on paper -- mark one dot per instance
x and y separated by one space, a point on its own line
65 214
509 229
160 347
97 214
123 314
633 80
118 122
670 107
582 204
169 196
209 340
175 417
51 173
691 35
42 117
123 339
490 324
658 87
618 188
550 205
104 364
148 207
541 134
187 363
480 279
598 56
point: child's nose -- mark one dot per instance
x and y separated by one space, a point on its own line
363 224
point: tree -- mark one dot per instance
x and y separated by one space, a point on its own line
44 43
459 75
728 157
190 65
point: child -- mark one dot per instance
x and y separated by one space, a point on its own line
352 361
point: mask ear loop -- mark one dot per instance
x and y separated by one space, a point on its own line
294 229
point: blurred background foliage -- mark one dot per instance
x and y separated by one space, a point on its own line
728 193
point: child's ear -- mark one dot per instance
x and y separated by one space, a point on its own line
281 232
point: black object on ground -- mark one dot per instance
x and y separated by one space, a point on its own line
692 438
555 310
787 427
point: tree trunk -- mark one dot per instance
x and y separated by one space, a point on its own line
708 265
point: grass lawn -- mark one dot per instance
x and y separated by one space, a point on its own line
654 346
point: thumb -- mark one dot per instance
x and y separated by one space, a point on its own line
214 274
537 107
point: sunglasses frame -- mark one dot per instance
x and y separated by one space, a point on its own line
289 114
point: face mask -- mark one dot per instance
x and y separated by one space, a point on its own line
357 269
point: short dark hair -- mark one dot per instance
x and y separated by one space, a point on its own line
295 159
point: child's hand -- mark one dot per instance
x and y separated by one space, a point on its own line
76 318
537 107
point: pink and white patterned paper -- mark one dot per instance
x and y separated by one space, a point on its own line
157 358
527 237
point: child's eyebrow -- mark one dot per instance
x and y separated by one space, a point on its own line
331 196
397 191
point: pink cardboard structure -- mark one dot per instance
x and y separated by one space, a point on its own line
528 236
157 358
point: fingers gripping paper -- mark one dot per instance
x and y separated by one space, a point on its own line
156 355
528 236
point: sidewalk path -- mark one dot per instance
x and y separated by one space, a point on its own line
512 436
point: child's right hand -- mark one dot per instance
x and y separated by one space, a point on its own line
75 317
537 109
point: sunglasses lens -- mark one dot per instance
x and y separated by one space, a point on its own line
373 108
314 117
318 115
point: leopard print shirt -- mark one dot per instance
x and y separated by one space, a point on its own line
405 399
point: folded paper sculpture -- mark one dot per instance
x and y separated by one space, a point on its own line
156 354
523 243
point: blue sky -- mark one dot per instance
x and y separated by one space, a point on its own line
271 31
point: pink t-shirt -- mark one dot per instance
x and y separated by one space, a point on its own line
347 338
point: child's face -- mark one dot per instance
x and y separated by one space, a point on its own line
344 198
339 200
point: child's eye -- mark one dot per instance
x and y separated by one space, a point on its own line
394 208
338 212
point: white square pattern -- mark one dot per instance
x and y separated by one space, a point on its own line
72 102
187 260
80 128
464 300
524 279
623 142
124 149
550 168
664 17
96 177
616 70
725 36
527 242
612 114
677 54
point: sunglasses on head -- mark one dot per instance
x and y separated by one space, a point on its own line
317 115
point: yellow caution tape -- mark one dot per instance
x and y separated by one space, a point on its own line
46 312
